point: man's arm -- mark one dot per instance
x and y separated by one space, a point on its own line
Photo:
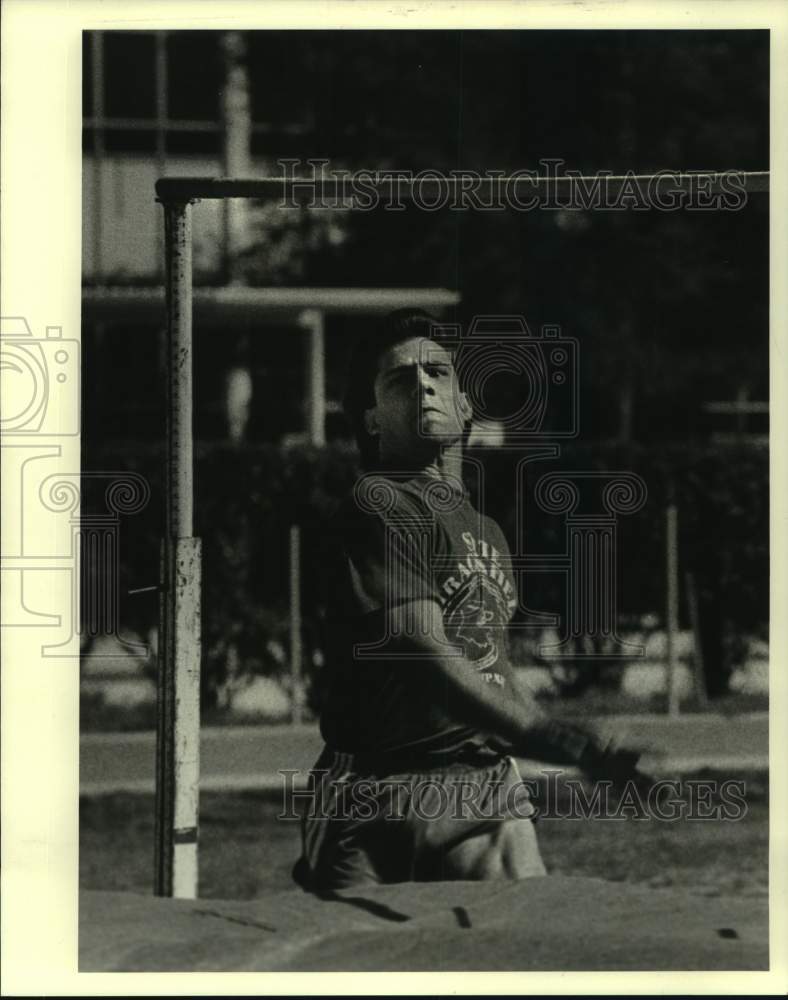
391 575
417 627
514 714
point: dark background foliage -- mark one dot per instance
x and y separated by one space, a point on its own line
670 309
249 497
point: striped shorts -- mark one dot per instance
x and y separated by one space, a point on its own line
463 820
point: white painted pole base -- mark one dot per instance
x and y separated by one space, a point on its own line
178 743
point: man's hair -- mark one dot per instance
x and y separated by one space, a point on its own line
402 324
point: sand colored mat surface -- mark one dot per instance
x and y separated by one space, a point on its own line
548 924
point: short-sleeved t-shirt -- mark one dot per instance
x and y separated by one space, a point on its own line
419 539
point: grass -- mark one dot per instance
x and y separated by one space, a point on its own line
246 852
597 702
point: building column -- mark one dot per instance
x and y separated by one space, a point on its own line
237 119
311 320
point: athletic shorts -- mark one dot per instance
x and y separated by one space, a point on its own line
460 821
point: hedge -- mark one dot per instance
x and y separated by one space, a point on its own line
247 497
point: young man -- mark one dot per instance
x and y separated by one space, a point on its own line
423 714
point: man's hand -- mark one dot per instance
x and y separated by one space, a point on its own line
611 763
600 759
515 716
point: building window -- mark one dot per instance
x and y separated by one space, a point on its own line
129 75
140 93
194 96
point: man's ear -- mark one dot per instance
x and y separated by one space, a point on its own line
371 422
464 407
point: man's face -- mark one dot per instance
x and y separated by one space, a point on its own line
418 403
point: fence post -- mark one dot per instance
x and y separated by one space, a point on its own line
672 610
698 667
296 649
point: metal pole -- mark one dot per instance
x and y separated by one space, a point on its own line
672 616
296 652
178 735
312 320
180 481
698 668
295 189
